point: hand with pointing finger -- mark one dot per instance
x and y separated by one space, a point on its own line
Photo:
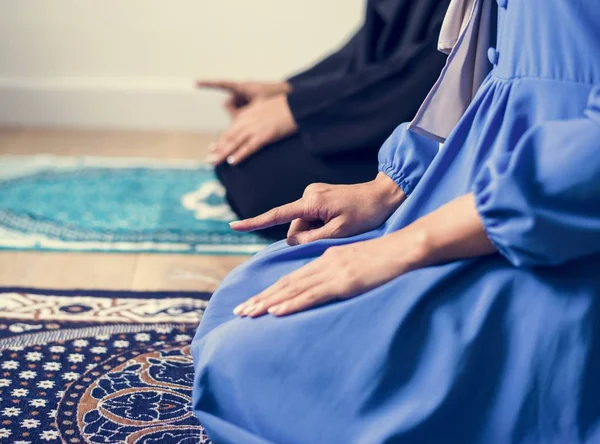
262 122
332 211
242 94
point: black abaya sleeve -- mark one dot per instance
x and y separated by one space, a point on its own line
355 98
336 64
360 110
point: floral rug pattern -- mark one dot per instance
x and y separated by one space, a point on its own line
97 367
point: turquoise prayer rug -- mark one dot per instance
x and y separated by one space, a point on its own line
98 367
116 205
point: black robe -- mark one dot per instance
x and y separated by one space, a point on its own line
346 106
353 99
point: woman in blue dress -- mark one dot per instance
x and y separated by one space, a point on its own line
455 298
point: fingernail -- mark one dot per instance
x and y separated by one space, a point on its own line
212 147
234 222
239 309
276 309
249 309
231 160
292 241
211 158
256 309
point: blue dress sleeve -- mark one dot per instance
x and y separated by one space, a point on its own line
405 156
540 204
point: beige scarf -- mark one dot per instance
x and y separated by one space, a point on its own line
465 36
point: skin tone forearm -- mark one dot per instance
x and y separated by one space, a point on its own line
452 232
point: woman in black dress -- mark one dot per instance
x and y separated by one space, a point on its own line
327 123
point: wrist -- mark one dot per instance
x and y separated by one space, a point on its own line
286 87
279 88
387 191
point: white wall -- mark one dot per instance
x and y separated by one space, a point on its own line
131 63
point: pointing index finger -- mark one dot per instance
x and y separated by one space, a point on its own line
217 84
276 216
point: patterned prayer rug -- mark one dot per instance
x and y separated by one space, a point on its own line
97 367
116 204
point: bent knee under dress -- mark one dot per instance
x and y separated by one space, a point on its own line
497 349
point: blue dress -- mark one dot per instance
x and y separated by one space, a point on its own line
497 349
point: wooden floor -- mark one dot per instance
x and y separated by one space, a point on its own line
116 271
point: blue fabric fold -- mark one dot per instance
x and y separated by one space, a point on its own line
405 156
540 202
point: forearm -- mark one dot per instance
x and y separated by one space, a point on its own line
454 231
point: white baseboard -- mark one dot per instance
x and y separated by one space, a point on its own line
141 104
